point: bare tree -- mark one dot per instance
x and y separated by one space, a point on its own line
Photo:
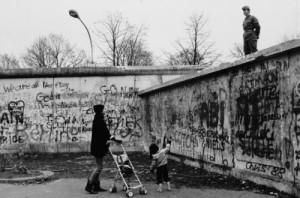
8 62
237 51
196 48
122 43
135 50
138 55
54 51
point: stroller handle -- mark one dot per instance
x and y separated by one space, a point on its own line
114 141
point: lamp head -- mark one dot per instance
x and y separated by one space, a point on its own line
74 13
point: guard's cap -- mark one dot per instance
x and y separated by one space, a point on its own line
246 8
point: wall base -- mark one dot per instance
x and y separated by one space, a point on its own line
280 185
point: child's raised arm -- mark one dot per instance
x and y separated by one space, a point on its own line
167 148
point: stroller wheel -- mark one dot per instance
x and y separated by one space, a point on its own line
143 191
129 193
113 189
124 187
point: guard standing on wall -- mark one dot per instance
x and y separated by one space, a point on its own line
251 31
99 148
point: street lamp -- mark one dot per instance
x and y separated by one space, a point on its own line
75 14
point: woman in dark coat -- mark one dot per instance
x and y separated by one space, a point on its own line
99 148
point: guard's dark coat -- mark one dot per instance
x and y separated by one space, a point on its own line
251 28
100 133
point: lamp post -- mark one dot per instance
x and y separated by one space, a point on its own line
75 14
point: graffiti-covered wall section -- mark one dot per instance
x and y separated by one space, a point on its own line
243 117
261 114
194 117
56 113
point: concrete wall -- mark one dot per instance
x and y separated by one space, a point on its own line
241 119
50 110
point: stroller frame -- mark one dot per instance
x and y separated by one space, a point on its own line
119 175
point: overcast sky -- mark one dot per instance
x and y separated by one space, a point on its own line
22 21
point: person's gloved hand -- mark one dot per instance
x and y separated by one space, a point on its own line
118 141
112 138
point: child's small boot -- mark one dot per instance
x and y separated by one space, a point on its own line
159 189
169 186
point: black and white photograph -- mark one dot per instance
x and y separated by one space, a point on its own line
150 98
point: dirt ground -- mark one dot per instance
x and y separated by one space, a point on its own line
9 174
80 165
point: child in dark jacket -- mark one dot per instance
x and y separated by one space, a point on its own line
160 163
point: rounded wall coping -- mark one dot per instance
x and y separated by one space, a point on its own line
286 47
98 71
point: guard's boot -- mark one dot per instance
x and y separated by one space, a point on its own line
97 187
89 188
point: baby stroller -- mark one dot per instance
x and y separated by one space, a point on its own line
125 171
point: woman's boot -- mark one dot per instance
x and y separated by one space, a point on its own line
90 187
97 186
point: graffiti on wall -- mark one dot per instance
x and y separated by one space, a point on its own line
257 114
247 119
260 110
54 111
123 111
195 120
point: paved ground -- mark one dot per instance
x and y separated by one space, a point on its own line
74 188
72 169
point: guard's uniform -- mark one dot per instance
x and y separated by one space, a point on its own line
251 34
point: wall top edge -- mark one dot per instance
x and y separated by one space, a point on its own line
286 47
98 71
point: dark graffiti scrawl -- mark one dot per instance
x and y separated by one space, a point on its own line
195 120
258 114
58 112
248 118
